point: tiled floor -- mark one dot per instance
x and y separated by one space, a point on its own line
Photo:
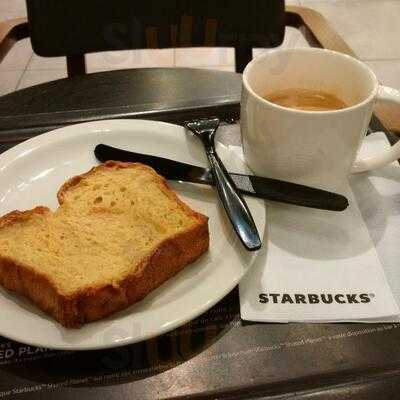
369 26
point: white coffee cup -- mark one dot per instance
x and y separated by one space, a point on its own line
310 147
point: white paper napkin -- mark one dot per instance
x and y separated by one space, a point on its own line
323 266
378 197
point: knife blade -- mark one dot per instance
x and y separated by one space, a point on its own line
266 188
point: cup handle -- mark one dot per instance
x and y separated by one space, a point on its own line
386 95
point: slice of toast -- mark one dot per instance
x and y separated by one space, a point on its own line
119 233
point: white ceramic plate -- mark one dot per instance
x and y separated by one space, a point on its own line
31 174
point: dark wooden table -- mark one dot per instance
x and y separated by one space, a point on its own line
217 355
153 93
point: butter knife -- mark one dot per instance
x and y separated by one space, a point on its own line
265 188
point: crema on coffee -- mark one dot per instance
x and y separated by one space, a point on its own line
306 99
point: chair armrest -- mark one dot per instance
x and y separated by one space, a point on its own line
319 26
11 31
390 117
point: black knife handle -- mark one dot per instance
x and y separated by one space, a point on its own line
266 188
289 193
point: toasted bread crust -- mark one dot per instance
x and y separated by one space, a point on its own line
18 216
171 256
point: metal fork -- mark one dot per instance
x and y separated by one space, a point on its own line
235 207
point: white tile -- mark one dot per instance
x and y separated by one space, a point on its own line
18 57
12 9
204 56
110 60
31 78
370 27
43 63
129 59
388 72
9 81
